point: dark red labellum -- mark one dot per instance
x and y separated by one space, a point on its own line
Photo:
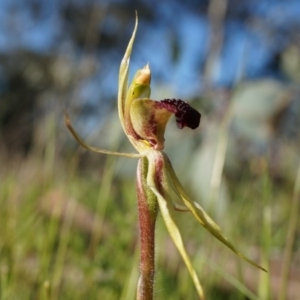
185 115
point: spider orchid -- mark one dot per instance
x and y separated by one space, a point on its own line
144 122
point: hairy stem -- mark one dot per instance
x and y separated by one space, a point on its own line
147 208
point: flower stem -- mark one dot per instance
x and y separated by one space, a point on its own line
147 209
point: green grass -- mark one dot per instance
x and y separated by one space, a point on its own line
49 258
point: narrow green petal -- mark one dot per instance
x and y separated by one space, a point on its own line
166 209
139 87
200 214
123 75
94 149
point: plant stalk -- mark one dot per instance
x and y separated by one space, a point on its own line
147 211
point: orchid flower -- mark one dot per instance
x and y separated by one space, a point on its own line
144 122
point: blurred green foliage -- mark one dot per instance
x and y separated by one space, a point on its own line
68 219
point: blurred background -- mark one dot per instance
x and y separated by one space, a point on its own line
68 217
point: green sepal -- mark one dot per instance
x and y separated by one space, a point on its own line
200 214
157 180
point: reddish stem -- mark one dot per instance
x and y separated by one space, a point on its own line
147 209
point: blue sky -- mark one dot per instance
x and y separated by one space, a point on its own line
249 44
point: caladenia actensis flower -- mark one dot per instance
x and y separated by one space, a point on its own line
144 122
